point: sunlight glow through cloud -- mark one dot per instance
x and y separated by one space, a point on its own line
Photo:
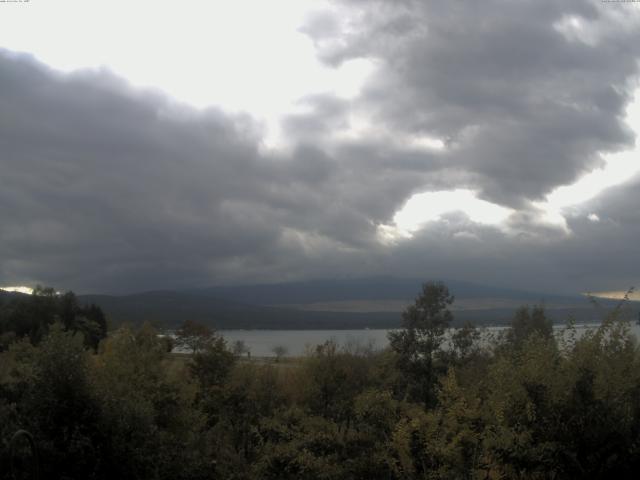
241 57
19 289
619 167
423 208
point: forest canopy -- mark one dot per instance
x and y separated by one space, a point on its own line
438 403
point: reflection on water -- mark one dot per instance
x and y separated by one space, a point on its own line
296 342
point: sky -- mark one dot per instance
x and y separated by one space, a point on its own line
151 145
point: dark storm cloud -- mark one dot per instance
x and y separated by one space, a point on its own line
608 246
525 99
595 256
105 187
527 96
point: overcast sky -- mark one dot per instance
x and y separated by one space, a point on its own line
155 145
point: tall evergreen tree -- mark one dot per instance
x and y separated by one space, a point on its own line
418 343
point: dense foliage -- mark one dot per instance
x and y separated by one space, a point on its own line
31 316
434 405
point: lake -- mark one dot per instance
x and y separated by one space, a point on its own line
261 342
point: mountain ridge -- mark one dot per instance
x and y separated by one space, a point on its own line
303 305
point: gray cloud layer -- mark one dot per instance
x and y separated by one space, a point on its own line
107 187
524 104
104 187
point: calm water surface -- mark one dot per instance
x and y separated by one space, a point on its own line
296 342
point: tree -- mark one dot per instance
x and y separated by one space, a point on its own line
92 322
32 315
332 378
240 348
465 341
418 342
279 351
88 320
211 365
61 408
146 409
527 321
193 336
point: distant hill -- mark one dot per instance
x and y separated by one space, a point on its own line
170 308
370 288
374 302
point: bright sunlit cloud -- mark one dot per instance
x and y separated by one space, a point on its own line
241 56
618 168
423 208
249 56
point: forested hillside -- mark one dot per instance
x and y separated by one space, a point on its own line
522 404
